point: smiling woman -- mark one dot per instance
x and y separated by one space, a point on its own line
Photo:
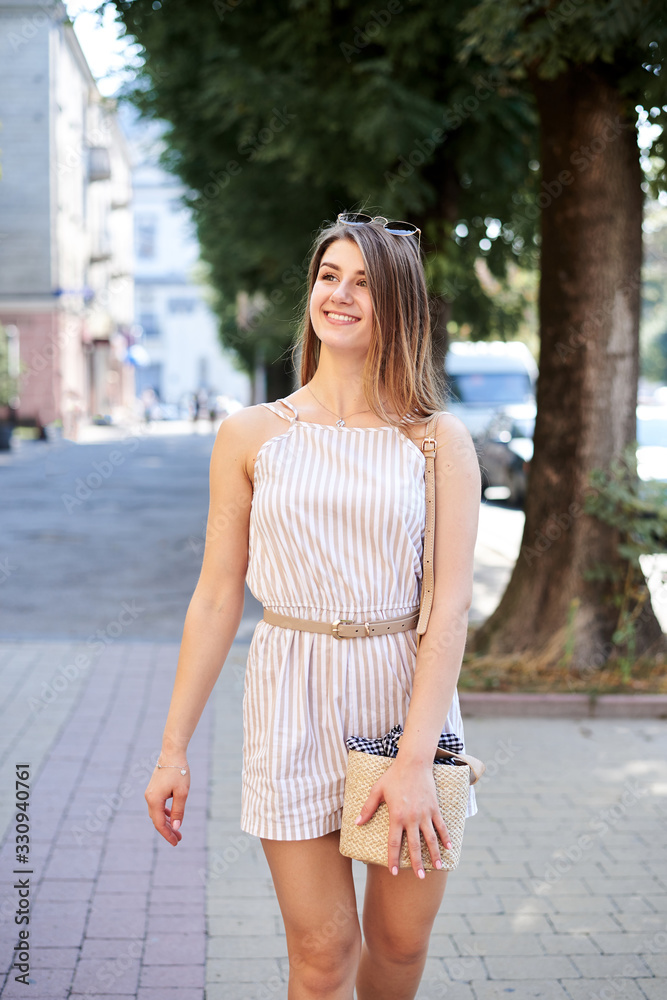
318 503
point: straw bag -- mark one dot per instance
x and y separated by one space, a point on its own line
369 842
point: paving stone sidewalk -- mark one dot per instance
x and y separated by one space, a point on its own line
560 894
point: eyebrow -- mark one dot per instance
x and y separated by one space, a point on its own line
326 263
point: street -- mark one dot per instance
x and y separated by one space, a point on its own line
561 889
119 519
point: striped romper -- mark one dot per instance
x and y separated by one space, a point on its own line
336 531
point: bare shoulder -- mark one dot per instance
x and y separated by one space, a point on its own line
456 453
241 435
233 441
447 429
242 422
450 428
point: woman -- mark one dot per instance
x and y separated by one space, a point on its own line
325 520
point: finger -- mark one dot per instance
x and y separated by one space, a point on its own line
443 832
394 842
415 849
432 845
178 807
156 811
369 807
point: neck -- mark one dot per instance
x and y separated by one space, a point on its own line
337 383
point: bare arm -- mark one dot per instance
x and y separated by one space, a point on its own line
408 787
212 619
440 654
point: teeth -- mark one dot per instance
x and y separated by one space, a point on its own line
347 319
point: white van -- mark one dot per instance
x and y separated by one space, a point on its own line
487 377
492 389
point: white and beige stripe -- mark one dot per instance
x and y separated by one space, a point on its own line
336 531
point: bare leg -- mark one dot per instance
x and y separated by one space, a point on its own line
398 916
315 890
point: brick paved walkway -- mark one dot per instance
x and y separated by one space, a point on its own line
563 900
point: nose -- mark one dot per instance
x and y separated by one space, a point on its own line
341 293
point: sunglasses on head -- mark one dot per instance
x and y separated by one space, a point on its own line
395 228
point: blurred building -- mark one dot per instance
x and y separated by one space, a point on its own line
66 230
175 324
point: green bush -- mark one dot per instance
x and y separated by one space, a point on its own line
638 510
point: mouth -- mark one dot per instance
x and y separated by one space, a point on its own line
337 317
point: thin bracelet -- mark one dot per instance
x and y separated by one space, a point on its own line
184 770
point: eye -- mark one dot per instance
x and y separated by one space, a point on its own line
330 274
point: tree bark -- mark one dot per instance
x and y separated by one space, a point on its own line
589 303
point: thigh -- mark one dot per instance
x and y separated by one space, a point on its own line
399 910
315 890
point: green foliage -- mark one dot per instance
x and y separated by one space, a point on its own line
281 114
654 294
638 512
626 39
9 384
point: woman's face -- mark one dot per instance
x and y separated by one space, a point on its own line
340 304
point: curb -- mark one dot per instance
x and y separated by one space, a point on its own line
570 706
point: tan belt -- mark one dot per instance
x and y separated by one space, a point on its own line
345 628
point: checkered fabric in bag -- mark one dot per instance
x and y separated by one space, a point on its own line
387 745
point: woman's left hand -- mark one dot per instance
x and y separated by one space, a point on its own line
410 794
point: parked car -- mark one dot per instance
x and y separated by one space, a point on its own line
652 442
492 388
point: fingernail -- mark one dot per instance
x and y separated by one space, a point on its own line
421 873
448 844
394 870
175 825
358 819
438 863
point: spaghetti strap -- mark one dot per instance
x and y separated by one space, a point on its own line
280 413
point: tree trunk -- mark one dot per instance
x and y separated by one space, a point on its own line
589 303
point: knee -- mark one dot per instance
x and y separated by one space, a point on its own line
325 961
402 946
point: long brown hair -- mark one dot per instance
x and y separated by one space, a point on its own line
400 359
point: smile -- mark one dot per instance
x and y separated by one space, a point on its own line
341 317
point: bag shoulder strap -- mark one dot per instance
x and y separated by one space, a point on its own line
477 767
429 445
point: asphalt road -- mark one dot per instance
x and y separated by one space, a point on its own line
107 533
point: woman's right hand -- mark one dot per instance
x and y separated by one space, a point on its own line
168 783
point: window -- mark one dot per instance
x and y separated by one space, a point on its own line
491 388
146 230
181 305
150 324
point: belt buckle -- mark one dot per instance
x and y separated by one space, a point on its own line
340 621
